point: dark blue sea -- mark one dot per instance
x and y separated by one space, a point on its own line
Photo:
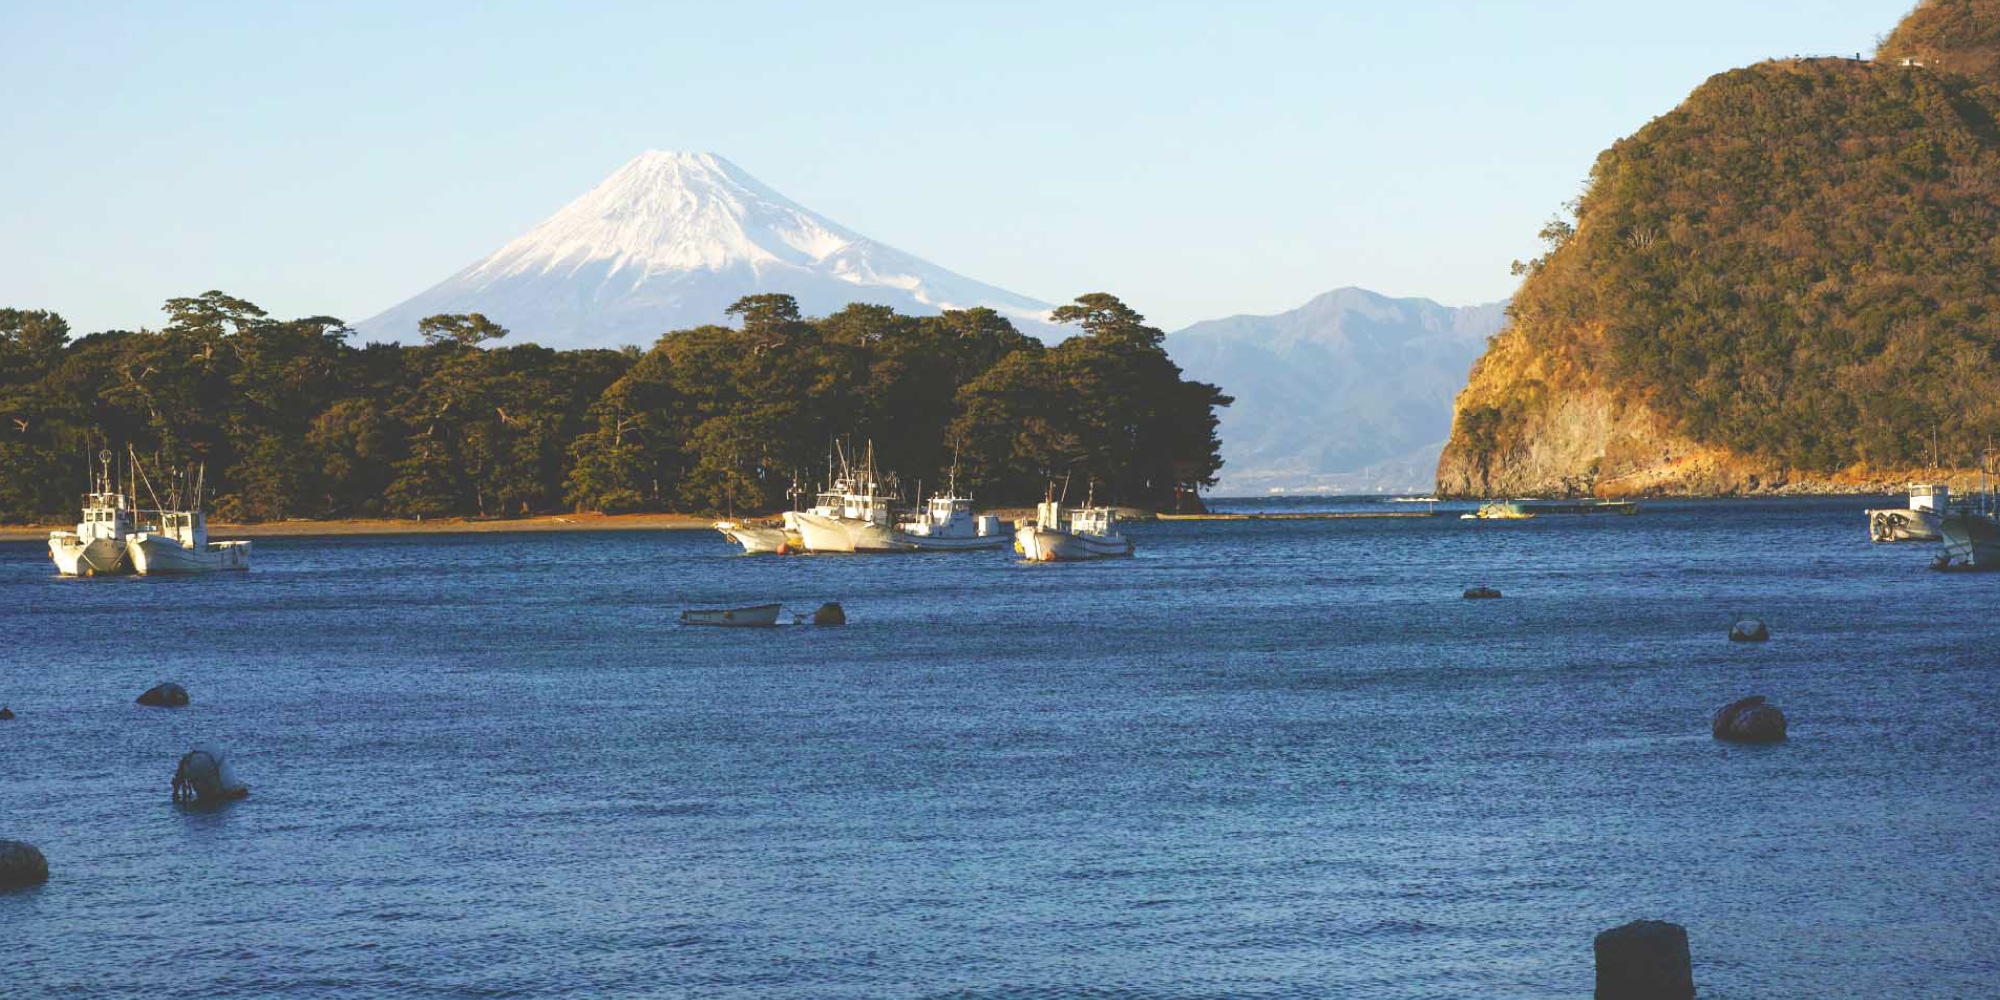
1260 759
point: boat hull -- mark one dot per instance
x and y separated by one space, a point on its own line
1904 525
754 616
838 534
1039 545
759 540
98 557
1971 541
155 555
928 543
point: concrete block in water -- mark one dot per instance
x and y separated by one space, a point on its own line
1644 960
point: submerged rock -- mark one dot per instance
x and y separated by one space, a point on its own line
21 865
1749 630
1644 960
1749 720
830 613
1481 594
204 777
168 695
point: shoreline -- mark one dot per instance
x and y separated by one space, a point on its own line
303 528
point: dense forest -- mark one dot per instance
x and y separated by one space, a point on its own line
1801 263
290 419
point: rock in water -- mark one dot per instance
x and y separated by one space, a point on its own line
21 865
1749 630
1481 594
830 613
5 712
167 695
204 777
1644 960
1749 720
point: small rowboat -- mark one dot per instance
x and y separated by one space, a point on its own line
750 617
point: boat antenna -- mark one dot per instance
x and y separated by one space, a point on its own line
133 456
1065 492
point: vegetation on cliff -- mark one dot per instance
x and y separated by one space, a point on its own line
1800 264
291 420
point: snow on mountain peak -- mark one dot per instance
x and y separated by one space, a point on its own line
668 241
666 211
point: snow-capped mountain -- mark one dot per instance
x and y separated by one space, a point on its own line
1349 393
668 242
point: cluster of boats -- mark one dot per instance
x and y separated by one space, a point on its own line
116 537
854 515
1968 530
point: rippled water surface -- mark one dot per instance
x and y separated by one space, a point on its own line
1261 759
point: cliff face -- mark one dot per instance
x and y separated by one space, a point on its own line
1791 282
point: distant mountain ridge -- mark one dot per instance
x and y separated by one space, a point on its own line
1350 392
667 242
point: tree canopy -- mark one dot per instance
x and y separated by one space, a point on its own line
292 420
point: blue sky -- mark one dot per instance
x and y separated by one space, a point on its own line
1198 159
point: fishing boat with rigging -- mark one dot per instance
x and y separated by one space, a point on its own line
179 546
1064 534
97 546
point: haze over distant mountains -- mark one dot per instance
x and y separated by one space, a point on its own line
668 242
1349 393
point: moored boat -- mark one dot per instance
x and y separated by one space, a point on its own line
1919 522
947 524
852 515
97 546
1059 534
749 616
1522 509
180 547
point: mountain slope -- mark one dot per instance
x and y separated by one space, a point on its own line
1350 392
668 242
1790 281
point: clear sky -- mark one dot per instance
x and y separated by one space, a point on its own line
1199 160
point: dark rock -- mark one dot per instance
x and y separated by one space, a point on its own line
204 777
21 865
1644 960
1481 594
167 695
5 712
830 613
1749 720
1749 630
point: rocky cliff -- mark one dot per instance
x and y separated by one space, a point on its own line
1791 282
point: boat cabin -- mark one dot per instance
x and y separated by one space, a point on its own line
1082 520
106 516
1929 496
190 528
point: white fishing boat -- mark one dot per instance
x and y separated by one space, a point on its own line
1919 522
1063 534
751 616
851 515
180 547
947 524
97 546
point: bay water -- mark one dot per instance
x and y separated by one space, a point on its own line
1274 758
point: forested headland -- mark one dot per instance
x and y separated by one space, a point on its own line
290 419
1790 277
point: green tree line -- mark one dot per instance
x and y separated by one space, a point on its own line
291 419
